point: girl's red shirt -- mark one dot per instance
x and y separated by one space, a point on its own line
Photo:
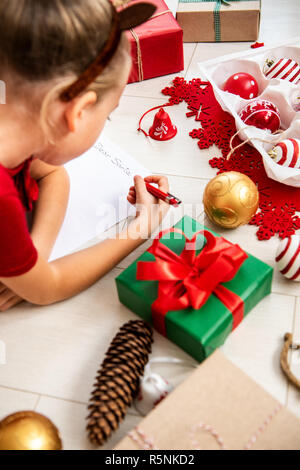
18 191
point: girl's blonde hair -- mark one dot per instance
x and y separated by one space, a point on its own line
43 41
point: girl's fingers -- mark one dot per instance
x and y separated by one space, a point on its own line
3 288
6 297
161 181
131 200
132 195
140 187
11 303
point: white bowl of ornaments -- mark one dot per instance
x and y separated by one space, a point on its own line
261 89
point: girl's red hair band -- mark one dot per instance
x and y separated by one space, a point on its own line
123 20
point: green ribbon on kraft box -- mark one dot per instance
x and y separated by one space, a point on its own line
217 20
194 286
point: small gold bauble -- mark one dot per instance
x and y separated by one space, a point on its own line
28 430
230 199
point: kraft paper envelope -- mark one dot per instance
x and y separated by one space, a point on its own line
218 397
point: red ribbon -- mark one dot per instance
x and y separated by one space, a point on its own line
188 280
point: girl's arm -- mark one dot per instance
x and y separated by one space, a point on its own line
51 206
47 283
48 217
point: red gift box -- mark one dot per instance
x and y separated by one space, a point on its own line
156 46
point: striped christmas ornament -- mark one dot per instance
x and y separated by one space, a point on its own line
288 257
287 153
285 69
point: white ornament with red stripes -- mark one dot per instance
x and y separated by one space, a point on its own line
287 153
153 389
285 69
288 257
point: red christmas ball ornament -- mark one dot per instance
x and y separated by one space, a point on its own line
262 114
242 84
284 69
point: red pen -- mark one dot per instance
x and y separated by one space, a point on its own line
166 197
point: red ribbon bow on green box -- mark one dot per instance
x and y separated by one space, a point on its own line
188 279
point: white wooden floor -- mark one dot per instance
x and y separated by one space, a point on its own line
53 352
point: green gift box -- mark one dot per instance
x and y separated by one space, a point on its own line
198 331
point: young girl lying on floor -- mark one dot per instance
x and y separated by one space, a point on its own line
65 64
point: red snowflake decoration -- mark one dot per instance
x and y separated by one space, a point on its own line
278 203
275 219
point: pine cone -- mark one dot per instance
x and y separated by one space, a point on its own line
117 382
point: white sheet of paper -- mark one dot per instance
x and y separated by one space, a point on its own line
100 180
173 6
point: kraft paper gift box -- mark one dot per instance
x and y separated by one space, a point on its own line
196 310
209 20
156 46
217 407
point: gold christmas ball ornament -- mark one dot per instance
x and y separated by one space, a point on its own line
28 430
230 199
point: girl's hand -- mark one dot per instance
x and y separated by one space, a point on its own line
8 298
150 210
